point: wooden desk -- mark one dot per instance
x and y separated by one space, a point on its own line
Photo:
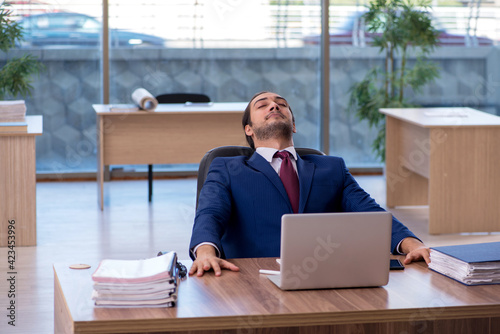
174 133
447 158
416 300
18 183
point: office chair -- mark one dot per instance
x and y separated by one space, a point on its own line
231 151
182 98
173 98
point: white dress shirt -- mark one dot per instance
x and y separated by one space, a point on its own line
268 154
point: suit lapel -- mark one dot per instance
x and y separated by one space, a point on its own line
306 174
257 162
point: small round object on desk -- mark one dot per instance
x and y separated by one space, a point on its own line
79 266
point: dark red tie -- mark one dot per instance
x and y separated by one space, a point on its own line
289 178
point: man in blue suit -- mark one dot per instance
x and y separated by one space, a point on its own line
242 201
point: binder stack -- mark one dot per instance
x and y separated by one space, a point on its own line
472 264
150 282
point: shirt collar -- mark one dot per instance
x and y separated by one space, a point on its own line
268 152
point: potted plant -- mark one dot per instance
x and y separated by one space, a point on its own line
397 26
15 75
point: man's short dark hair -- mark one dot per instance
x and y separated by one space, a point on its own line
245 120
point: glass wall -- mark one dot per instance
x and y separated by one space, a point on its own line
467 57
65 37
230 49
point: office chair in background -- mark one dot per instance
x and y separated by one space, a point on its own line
182 98
231 151
174 98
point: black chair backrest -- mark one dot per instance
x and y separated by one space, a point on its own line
182 98
231 151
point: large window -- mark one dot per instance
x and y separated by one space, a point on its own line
229 50
65 36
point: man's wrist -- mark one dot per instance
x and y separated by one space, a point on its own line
194 251
409 243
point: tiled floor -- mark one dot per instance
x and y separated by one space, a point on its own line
72 229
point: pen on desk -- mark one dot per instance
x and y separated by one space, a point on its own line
268 272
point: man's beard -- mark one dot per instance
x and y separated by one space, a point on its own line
274 130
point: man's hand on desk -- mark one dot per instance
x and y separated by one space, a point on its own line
415 251
207 259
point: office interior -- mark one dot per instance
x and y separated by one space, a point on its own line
207 47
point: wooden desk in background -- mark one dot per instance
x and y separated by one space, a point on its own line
173 134
18 182
416 300
447 158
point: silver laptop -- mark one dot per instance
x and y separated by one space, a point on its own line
334 250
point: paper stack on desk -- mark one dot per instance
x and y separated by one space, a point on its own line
137 283
14 110
13 116
472 264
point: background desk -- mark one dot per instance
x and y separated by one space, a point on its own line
416 300
18 182
449 162
174 133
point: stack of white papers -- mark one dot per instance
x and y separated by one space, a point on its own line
12 116
137 283
12 111
469 264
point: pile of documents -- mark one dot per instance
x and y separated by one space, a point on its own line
12 116
472 264
149 282
12 110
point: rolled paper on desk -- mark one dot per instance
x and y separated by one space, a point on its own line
144 99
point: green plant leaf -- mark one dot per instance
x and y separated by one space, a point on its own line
15 75
399 24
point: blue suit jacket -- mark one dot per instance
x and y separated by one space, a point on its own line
242 201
